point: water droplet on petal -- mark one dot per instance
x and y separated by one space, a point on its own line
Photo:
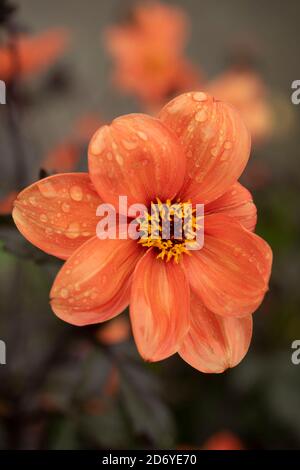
43 218
33 201
76 193
199 96
73 230
47 189
64 293
119 159
227 145
65 207
142 135
98 143
129 145
214 151
201 116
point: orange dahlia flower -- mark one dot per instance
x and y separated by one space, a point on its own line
148 53
30 55
197 305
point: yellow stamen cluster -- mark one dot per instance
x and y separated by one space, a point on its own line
170 228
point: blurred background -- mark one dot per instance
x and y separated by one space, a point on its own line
69 67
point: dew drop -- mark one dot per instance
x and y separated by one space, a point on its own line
199 96
129 145
64 293
43 218
33 201
65 207
227 145
73 230
47 189
76 193
214 151
201 116
98 144
142 135
119 159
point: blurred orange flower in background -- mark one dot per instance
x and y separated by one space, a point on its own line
6 203
27 55
66 155
245 90
199 305
223 440
114 332
148 53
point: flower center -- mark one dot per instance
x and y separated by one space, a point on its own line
170 228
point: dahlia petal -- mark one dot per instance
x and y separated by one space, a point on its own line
94 283
238 203
215 140
138 157
159 307
58 214
215 343
231 272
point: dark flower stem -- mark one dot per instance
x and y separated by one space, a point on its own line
13 113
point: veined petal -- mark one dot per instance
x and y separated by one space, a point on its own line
58 214
138 157
215 140
159 307
215 343
231 272
94 283
238 203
